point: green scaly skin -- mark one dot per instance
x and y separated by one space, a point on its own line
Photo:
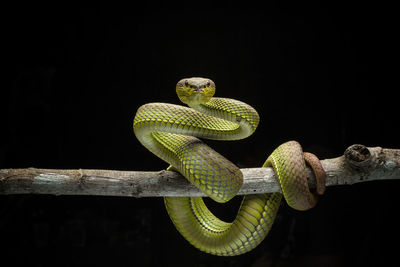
169 132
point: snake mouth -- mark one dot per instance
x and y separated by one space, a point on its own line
198 90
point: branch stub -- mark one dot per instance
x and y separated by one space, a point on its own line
358 156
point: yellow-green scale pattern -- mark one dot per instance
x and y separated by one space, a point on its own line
169 132
231 110
209 234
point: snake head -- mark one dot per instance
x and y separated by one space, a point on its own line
195 91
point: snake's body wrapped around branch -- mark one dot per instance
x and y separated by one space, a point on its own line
170 132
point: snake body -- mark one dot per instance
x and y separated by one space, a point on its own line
170 132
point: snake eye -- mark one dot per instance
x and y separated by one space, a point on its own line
208 84
186 83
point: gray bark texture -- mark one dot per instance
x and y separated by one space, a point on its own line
358 164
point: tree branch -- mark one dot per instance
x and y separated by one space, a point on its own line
358 164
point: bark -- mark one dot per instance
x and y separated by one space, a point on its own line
358 164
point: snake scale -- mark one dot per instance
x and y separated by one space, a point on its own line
171 132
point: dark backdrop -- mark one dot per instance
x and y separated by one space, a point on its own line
317 73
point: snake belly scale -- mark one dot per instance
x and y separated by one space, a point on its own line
171 132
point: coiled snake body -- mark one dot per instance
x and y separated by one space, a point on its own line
169 131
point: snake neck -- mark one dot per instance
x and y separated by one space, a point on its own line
218 119
231 110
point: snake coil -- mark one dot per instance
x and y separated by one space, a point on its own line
170 132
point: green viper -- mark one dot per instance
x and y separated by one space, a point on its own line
169 131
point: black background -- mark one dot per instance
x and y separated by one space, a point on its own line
321 74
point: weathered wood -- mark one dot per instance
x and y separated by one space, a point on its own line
358 164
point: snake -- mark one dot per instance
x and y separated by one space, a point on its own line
173 132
